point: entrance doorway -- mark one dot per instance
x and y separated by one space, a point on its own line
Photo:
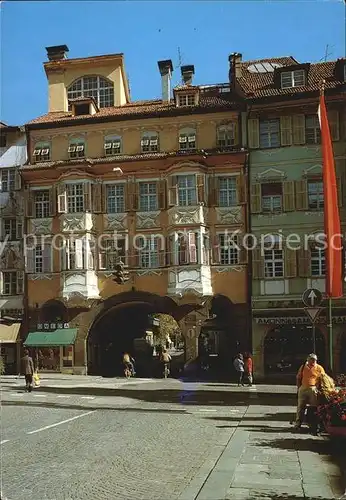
286 348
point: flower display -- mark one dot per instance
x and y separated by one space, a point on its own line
341 380
333 413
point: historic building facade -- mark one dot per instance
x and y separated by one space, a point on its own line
287 203
13 154
160 184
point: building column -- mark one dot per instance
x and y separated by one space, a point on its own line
258 335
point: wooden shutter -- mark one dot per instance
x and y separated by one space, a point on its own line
87 196
339 184
89 254
29 203
290 263
161 194
286 130
182 250
17 179
301 195
333 118
172 190
288 196
128 188
102 259
257 264
104 203
253 133
97 198
200 188
19 228
20 282
62 199
241 188
243 252
192 248
79 254
47 258
213 194
304 257
256 205
298 129
161 243
135 196
30 260
216 251
52 201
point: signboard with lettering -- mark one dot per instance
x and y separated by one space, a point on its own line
52 326
298 320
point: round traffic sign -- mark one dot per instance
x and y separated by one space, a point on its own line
312 297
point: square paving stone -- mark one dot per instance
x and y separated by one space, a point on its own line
318 490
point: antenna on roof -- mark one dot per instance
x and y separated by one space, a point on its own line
180 61
327 53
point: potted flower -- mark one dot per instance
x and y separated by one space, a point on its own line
341 380
333 413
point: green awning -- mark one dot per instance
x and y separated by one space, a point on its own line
62 336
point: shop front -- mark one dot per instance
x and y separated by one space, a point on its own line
53 349
282 342
10 347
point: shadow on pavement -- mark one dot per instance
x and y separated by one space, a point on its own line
275 417
197 397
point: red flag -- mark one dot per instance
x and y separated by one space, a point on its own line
334 288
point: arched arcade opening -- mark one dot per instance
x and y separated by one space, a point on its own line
287 346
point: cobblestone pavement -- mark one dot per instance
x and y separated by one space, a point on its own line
141 440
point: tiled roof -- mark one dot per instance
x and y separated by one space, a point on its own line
257 85
150 108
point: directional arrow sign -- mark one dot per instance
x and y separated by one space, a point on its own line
313 313
312 297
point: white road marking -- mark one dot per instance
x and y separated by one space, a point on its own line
62 396
206 409
40 395
4 441
62 422
87 397
17 394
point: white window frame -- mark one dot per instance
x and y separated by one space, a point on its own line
7 179
42 207
75 257
112 254
316 193
75 198
269 138
41 152
187 139
317 262
76 148
148 200
9 287
312 130
275 204
15 229
226 135
291 79
150 142
115 199
148 256
102 90
273 263
112 145
230 192
229 253
186 99
186 200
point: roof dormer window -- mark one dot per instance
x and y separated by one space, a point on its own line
290 79
97 87
187 100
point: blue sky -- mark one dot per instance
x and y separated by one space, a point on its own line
206 32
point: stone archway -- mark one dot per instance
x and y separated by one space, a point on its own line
133 305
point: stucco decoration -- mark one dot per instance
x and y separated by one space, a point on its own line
11 204
39 277
314 170
187 280
149 272
78 222
227 269
80 284
229 215
115 221
271 174
187 215
11 257
41 226
271 215
147 219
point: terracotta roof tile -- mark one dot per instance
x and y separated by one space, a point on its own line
150 108
258 85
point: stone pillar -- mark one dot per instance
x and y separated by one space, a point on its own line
258 335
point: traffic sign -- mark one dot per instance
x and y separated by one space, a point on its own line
312 297
313 313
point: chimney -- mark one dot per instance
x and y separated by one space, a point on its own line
57 52
187 73
166 68
235 66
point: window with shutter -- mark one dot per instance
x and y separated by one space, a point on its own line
317 261
228 194
150 142
112 145
269 131
315 194
148 196
226 135
229 251
312 130
115 194
183 249
273 263
253 131
286 130
97 198
298 129
87 196
271 197
76 149
187 193
187 139
148 252
301 195
77 196
42 203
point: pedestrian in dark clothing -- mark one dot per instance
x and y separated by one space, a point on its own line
238 364
28 370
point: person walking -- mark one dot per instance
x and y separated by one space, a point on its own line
308 377
238 364
248 367
28 370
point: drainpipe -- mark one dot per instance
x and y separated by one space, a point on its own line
26 316
248 222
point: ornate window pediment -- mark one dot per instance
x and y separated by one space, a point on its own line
272 174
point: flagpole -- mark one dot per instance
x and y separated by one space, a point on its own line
330 330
